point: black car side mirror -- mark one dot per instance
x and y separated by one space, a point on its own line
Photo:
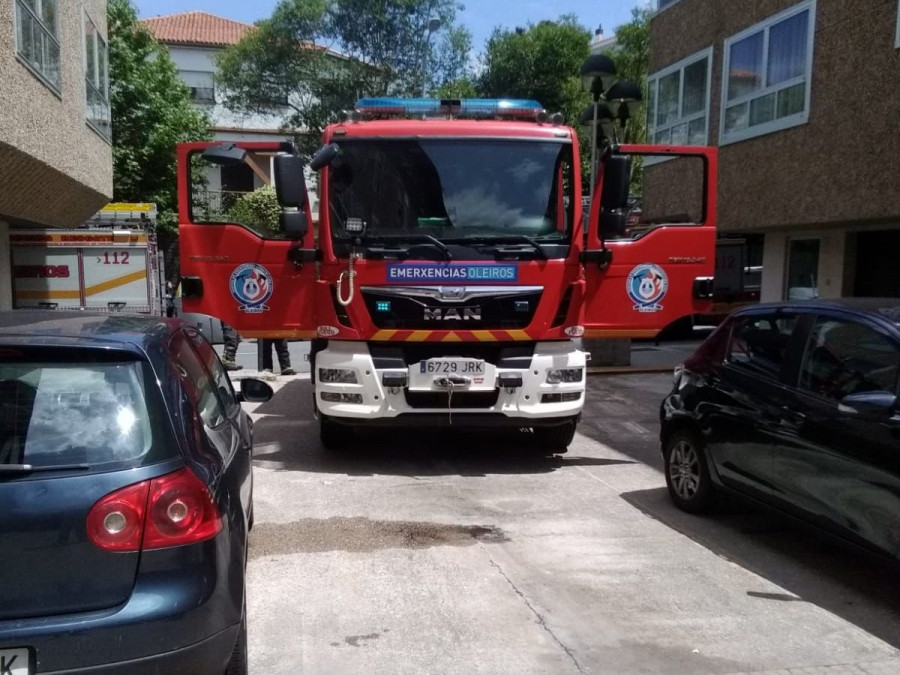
880 404
254 391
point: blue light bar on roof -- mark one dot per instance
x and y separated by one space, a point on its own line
479 108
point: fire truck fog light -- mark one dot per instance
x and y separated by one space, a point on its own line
337 375
336 397
559 375
561 398
574 331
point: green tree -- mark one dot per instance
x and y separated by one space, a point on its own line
393 36
540 61
378 48
151 113
632 58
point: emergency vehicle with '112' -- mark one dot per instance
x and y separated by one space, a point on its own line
451 272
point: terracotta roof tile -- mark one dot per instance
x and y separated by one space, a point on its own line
196 28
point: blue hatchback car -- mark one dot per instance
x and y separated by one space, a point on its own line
125 497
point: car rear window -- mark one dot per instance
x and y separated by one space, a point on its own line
70 411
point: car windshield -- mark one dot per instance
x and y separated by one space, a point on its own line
61 413
453 189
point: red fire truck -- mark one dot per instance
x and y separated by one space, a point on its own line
450 268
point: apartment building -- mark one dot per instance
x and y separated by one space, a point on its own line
194 40
802 98
55 153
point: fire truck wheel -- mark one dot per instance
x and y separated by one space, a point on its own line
556 438
334 435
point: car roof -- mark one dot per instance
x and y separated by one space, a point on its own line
57 327
887 309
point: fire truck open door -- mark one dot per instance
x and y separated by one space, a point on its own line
650 244
235 265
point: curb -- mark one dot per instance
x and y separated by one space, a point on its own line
629 370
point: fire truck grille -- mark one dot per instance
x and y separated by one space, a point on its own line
451 308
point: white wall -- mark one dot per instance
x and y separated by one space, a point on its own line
832 257
203 60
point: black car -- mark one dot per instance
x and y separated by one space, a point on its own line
795 405
125 497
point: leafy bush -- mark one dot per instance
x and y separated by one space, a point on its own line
258 210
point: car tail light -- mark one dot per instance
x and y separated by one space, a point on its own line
180 511
172 510
116 522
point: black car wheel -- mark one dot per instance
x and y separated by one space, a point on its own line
238 663
687 475
334 436
556 438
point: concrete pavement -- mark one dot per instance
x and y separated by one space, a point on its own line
465 553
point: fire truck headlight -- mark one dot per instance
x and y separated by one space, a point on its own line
337 375
560 375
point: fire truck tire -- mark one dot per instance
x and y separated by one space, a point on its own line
334 435
556 438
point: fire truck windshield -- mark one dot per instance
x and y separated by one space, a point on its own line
454 189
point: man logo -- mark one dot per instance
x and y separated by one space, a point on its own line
453 314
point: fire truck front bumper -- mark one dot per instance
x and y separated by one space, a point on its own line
545 388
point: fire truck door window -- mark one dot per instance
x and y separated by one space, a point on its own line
667 192
238 193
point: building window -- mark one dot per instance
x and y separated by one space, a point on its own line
662 4
201 84
96 78
678 102
897 38
36 39
766 80
802 281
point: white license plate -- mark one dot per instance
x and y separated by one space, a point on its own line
473 367
14 662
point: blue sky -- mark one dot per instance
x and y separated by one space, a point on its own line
479 16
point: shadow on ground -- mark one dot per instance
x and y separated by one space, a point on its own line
286 438
845 581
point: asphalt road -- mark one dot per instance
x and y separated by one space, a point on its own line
461 553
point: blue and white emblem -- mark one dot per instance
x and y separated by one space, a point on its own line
251 285
647 285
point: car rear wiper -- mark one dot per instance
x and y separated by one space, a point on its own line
426 239
30 468
506 239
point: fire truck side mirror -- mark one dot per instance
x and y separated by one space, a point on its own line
293 224
324 156
290 185
616 182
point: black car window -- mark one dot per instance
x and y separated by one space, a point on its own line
760 343
845 357
197 381
211 359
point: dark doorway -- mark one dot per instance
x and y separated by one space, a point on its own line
877 272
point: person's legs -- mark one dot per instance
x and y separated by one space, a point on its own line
267 354
284 357
231 339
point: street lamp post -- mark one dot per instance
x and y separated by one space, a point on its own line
598 74
433 25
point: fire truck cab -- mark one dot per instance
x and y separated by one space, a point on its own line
451 265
